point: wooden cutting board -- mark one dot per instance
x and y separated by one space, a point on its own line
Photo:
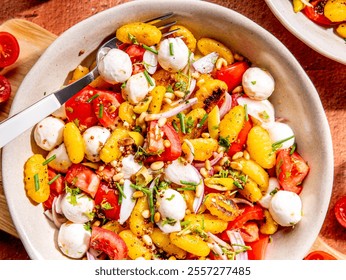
33 40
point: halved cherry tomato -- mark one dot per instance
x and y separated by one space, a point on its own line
169 133
105 106
249 232
258 248
84 178
5 89
340 211
79 107
291 170
9 49
56 188
319 255
108 242
135 53
232 74
107 199
316 13
238 145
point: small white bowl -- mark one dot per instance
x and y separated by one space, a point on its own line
295 99
323 40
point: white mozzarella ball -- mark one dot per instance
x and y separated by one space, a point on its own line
150 60
77 208
172 204
280 131
94 138
60 113
272 187
115 66
173 54
73 240
137 87
178 172
49 133
257 83
286 208
62 162
129 166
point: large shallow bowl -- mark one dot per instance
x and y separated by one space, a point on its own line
295 99
323 40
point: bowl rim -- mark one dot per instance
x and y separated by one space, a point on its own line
226 11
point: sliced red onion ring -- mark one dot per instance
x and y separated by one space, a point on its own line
215 160
237 243
127 203
57 218
190 155
185 105
197 202
226 105
219 241
242 200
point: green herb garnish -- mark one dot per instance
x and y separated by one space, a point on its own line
202 121
171 50
54 179
278 144
147 76
150 49
53 157
224 142
182 122
101 111
92 98
37 182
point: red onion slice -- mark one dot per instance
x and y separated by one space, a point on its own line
57 218
127 203
215 160
197 202
226 105
237 243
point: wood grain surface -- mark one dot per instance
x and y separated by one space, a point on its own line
55 16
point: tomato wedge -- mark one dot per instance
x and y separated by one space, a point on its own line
107 199
9 49
249 232
108 242
316 13
5 89
319 255
135 53
232 74
56 187
291 169
238 145
258 248
84 178
105 106
340 211
169 153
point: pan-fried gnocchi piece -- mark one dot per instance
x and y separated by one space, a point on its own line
142 32
74 142
136 246
186 35
208 45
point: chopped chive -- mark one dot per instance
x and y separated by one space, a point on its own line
93 97
175 126
182 122
238 185
147 76
294 147
246 113
53 157
171 50
200 124
101 111
192 188
132 38
121 191
54 179
188 183
278 144
37 182
150 49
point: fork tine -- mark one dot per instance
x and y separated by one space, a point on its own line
170 32
160 18
169 24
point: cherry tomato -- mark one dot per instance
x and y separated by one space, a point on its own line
108 242
135 53
169 153
107 199
105 107
249 232
340 211
291 170
316 13
258 248
79 107
57 187
319 255
238 145
9 49
232 74
84 178
5 89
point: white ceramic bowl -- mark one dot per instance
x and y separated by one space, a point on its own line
322 40
295 99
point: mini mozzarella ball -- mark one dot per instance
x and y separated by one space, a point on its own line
129 166
49 133
272 187
257 83
137 88
77 208
279 131
172 204
150 60
94 138
286 208
173 54
115 66
62 162
60 113
73 240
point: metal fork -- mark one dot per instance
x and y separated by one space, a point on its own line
22 121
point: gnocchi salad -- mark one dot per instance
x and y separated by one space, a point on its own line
173 152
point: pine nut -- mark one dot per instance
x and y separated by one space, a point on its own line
142 117
237 155
217 168
220 62
236 165
157 165
96 223
161 122
204 172
195 75
179 93
146 214
147 240
137 194
187 212
118 177
223 161
220 149
167 100
207 165
199 190
238 57
169 95
157 217
166 143
246 155
205 135
172 258
238 89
